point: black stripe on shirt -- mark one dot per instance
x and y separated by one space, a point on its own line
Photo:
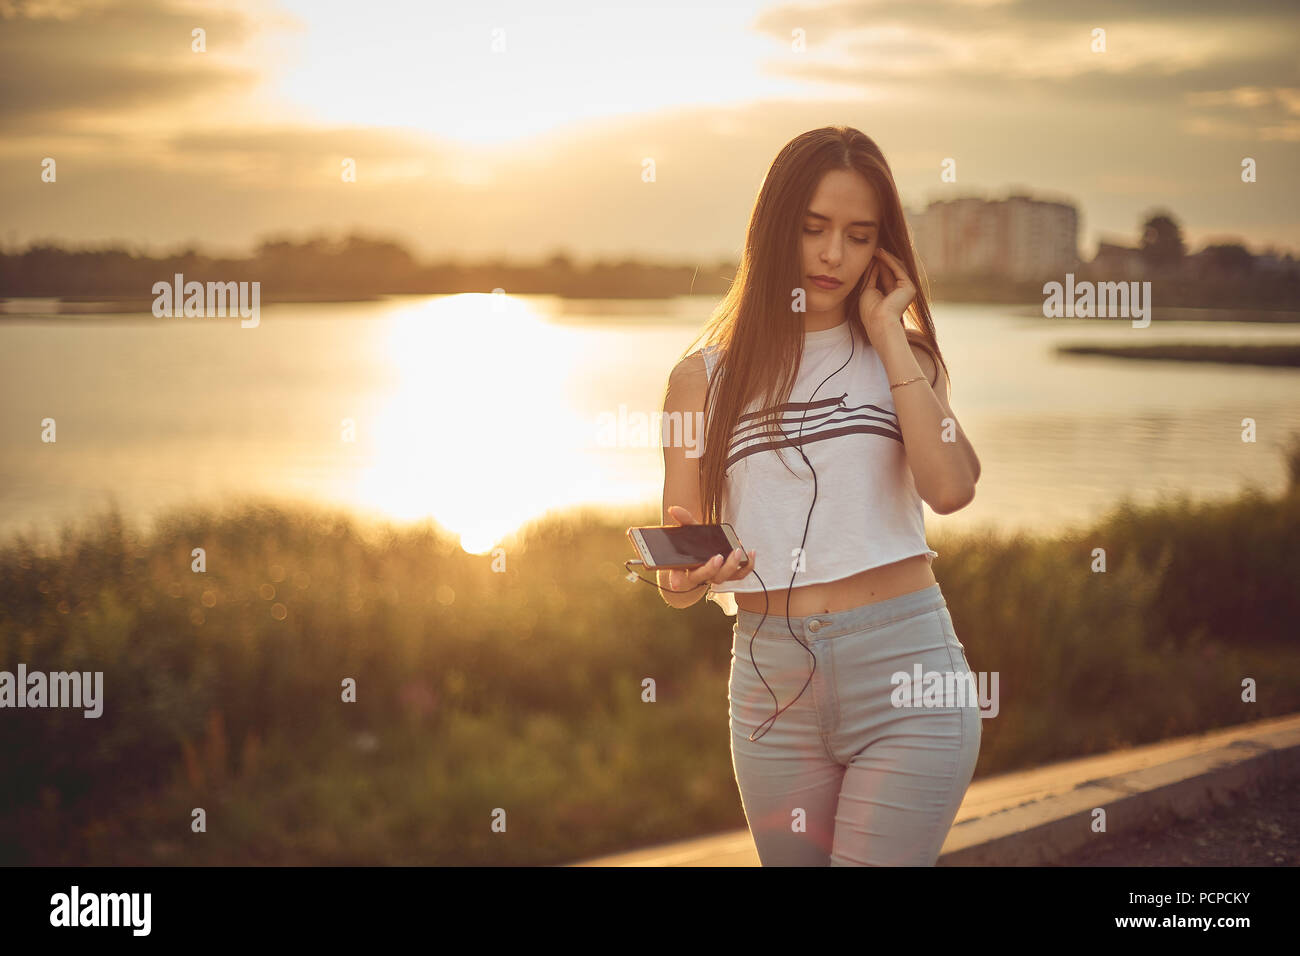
769 441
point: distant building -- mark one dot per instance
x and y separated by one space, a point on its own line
1222 261
1271 263
1117 262
1015 238
1201 265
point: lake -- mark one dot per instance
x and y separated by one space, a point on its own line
483 412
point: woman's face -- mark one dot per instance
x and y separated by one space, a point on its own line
840 230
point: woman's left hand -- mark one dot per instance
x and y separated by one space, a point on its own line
885 296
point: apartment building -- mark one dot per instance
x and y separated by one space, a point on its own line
1018 237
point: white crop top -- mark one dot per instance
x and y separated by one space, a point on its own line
867 513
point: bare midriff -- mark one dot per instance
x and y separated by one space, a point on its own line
866 587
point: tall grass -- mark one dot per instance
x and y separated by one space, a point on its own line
520 689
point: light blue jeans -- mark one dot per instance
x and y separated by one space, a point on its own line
845 776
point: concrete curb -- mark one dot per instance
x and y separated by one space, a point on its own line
1043 831
1036 817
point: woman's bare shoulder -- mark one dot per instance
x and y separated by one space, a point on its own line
690 370
688 382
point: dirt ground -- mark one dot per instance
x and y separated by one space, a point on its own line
1258 830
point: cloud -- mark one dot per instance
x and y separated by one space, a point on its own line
1000 16
64 62
1154 48
135 160
1221 72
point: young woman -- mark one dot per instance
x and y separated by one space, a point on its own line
828 423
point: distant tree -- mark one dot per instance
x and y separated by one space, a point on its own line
364 262
1162 246
387 250
1229 259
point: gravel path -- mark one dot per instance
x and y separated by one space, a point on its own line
1258 830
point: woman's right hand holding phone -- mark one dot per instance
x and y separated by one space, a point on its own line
718 569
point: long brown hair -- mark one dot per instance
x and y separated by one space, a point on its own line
759 345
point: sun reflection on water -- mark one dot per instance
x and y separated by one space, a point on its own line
470 432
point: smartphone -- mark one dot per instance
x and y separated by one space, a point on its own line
665 547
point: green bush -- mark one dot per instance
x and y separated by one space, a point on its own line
521 689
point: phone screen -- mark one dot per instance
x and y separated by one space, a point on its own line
687 544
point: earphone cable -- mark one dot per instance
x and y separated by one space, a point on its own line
794 571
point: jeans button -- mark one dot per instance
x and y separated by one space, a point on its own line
815 626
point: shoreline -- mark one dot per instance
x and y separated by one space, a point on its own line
1280 355
1172 313
63 306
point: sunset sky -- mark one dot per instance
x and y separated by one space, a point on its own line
469 150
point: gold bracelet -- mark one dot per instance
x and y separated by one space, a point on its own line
919 378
